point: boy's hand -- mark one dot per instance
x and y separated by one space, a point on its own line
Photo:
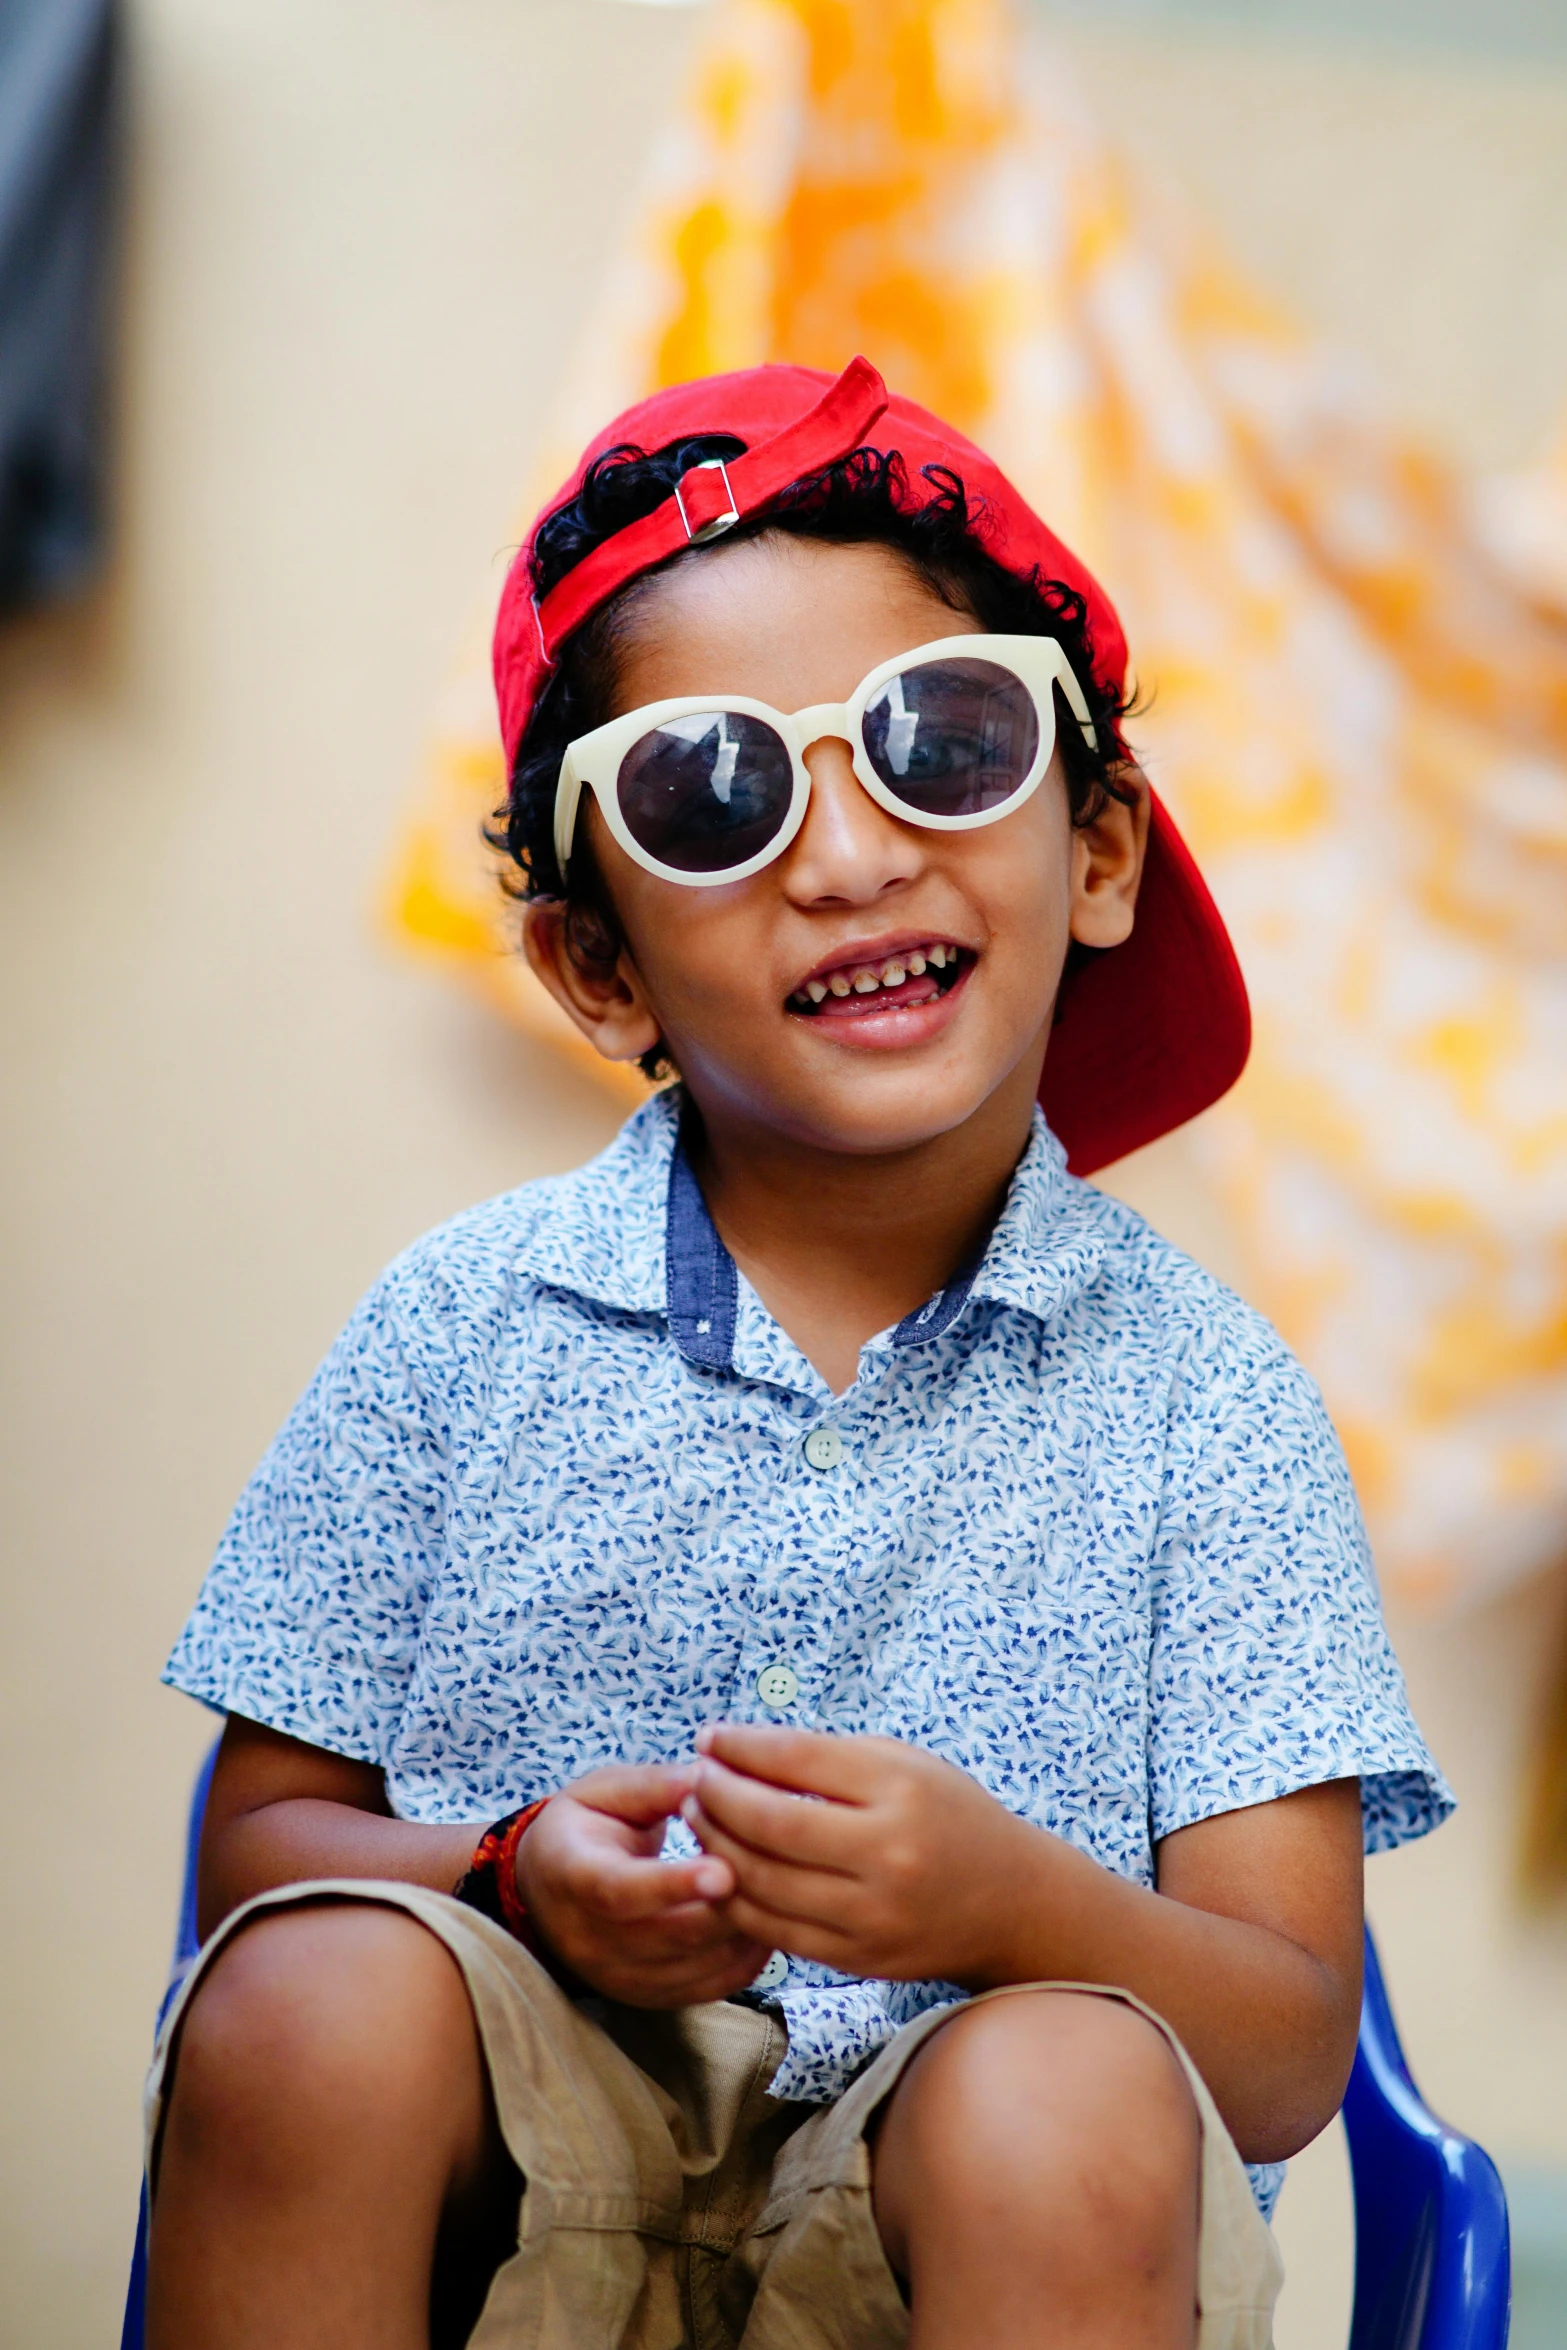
904 1867
648 1932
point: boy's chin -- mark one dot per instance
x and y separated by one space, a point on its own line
817 1092
872 1111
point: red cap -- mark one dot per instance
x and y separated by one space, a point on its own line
1148 1033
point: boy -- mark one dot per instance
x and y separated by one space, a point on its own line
910 1630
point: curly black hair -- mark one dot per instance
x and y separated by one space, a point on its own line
862 499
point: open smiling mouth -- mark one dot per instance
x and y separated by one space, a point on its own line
919 975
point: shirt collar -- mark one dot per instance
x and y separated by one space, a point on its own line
1050 1237
632 1230
702 1282
600 1231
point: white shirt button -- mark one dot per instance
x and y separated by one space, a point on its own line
777 1687
775 1972
824 1448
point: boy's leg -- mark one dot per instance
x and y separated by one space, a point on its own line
329 2144
1036 2180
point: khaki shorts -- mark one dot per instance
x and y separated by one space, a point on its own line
671 2204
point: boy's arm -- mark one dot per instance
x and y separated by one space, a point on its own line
281 1811
905 1867
646 1931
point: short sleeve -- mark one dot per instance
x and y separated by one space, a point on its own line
309 1618
1271 1668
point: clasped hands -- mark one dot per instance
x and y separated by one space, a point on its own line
869 1855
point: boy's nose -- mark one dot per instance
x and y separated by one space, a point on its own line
848 851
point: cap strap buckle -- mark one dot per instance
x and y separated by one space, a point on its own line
718 523
838 423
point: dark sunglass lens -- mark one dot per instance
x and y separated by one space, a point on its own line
952 738
707 792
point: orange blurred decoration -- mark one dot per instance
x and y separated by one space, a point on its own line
1358 668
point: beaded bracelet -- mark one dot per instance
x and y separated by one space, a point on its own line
489 1883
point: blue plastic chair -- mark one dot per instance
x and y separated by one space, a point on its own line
187 1941
1432 2265
1432 2270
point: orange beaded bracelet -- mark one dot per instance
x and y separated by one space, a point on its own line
489 1883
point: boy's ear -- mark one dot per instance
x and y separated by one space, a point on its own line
1107 865
594 980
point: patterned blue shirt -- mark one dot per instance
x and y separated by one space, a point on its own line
563 1491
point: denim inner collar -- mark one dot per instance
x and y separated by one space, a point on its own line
704 1282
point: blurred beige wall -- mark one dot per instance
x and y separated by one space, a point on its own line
360 238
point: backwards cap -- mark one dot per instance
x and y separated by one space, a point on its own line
1147 1033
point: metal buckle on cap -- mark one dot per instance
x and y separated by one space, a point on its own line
720 522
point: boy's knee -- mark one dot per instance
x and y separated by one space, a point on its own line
310 2011
1057 2086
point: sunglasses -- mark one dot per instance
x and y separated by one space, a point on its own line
710 788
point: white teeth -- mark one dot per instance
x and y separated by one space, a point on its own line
866 978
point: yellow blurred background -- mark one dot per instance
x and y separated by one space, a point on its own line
360 244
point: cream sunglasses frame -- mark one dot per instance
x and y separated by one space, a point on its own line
592 762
